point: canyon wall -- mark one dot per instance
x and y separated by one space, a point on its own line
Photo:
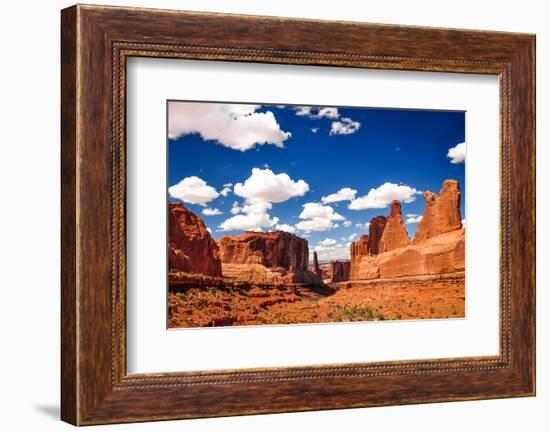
279 256
191 248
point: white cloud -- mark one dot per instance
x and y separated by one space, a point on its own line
235 126
318 218
332 252
365 225
211 211
286 228
345 194
314 209
260 190
314 129
457 154
315 225
463 222
382 196
226 189
327 242
209 230
331 113
345 126
413 218
254 217
193 190
347 223
317 113
264 185
352 237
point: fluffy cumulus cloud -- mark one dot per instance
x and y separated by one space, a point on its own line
344 126
286 228
382 196
211 211
347 223
413 218
457 154
235 126
193 190
260 191
253 216
345 194
317 217
314 129
264 185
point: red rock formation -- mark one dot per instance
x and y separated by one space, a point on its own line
376 229
395 234
438 247
316 268
442 213
360 247
191 248
286 255
340 270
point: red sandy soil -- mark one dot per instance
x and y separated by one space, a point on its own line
214 303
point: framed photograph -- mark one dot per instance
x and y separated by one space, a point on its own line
264 215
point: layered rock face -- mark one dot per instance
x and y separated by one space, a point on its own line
438 246
284 255
191 248
376 229
340 270
442 213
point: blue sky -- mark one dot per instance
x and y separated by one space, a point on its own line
269 167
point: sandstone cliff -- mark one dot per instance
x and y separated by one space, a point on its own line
280 257
191 248
442 213
395 234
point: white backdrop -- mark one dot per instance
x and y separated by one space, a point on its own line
29 227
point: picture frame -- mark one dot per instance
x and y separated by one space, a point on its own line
96 42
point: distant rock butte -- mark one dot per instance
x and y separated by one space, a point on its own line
274 257
442 213
395 234
340 270
191 248
438 246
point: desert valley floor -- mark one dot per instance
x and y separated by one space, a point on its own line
439 297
